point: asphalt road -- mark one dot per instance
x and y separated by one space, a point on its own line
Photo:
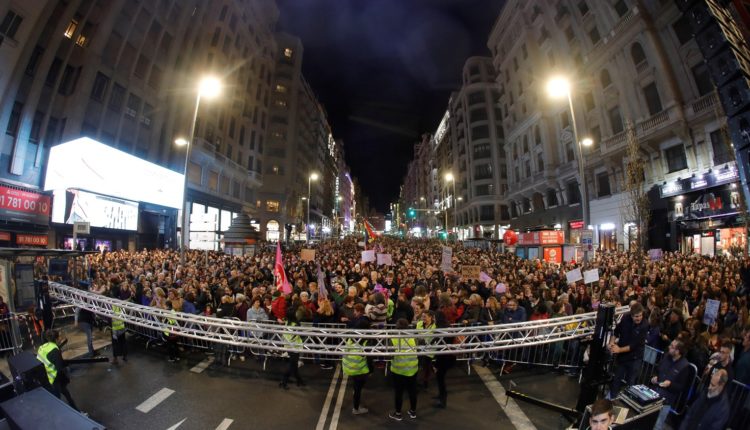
148 392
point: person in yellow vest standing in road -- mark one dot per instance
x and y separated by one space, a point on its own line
51 356
295 341
170 336
119 345
355 366
404 369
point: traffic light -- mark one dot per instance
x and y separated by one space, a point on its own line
412 213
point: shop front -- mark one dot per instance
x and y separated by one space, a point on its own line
704 213
546 245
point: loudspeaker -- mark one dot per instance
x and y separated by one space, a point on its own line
739 129
28 372
735 96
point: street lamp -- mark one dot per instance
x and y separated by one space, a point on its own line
312 177
209 87
559 87
449 177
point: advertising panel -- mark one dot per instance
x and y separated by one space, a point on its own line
100 211
553 254
718 202
700 181
32 239
24 206
544 237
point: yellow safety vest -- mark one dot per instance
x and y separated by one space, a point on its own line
354 364
170 322
117 324
41 355
293 338
406 365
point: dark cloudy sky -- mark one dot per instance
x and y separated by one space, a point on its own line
384 70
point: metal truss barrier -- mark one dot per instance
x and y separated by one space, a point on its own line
273 337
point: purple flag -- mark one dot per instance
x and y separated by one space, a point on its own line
322 292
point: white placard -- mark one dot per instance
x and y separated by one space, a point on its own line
590 276
307 255
368 255
385 259
574 276
712 311
446 264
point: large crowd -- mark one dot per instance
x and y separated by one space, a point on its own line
673 290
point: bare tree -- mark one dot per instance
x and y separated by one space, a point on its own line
637 208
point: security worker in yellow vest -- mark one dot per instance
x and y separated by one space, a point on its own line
49 354
119 345
404 369
355 366
169 335
293 317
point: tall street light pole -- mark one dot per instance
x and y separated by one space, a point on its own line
450 178
209 88
312 177
559 87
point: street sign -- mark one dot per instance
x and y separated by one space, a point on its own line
587 237
81 227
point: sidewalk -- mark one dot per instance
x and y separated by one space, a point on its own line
75 348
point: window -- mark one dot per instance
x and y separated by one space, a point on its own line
527 167
483 190
594 35
570 151
721 149
615 120
480 132
482 150
540 162
117 97
69 80
148 113
604 78
101 81
621 8
588 98
141 67
676 159
525 144
223 13
9 26
504 215
486 213
33 60
483 171
551 198
134 105
596 137
653 101
288 52
71 29
574 193
272 205
280 88
602 182
526 206
565 119
36 126
702 79
682 30
637 54
54 72
15 119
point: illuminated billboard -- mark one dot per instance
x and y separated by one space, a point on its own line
101 211
90 165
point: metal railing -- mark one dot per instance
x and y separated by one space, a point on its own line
11 339
274 337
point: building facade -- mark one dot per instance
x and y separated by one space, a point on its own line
125 74
631 64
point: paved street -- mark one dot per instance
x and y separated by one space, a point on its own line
150 393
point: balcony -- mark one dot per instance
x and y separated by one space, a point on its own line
703 105
614 143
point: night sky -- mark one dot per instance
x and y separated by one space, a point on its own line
384 70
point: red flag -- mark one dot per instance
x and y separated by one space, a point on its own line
370 232
279 274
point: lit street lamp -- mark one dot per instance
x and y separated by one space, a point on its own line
312 177
559 87
209 88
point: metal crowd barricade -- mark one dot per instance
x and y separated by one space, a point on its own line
10 334
474 340
739 405
649 365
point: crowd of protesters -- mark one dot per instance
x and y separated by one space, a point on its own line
673 290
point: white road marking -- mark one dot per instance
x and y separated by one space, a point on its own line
174 427
512 410
203 365
154 400
329 396
339 401
225 424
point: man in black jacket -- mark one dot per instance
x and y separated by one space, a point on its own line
711 410
628 346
